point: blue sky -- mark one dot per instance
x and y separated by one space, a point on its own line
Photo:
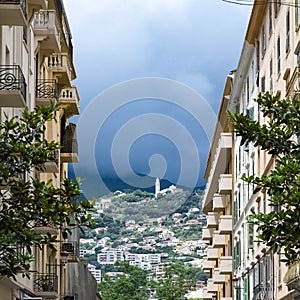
163 130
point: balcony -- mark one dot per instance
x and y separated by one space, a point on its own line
46 30
45 285
12 86
293 85
13 12
59 65
51 166
44 227
46 92
42 4
226 265
207 234
219 240
206 294
212 220
69 150
207 264
70 251
225 183
68 297
212 253
67 37
292 276
218 166
225 224
69 100
211 286
218 278
218 203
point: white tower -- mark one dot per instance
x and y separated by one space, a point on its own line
157 187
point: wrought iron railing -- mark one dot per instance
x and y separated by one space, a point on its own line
47 89
22 3
44 282
44 223
54 156
12 78
70 249
68 297
69 140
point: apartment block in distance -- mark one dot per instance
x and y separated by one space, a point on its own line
36 54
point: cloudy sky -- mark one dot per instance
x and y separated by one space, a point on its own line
150 75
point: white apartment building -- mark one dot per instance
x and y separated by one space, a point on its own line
110 257
95 272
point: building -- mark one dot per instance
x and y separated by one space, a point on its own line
95 272
36 68
268 62
143 261
110 257
217 204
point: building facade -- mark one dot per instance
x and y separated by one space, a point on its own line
36 69
268 62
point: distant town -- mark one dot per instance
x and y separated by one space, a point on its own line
150 244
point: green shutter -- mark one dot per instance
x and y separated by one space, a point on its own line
250 232
246 288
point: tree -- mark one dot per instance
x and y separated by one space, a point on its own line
176 282
25 200
132 284
279 228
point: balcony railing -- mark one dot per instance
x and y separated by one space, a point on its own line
70 251
46 27
218 203
45 285
212 220
14 13
12 86
69 100
46 92
68 297
225 225
59 64
65 26
45 226
226 265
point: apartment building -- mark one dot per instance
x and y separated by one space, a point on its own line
217 205
36 68
268 62
110 257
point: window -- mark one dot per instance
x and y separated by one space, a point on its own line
263 84
250 232
287 31
297 12
277 4
246 288
247 90
271 75
257 56
278 55
263 40
270 19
